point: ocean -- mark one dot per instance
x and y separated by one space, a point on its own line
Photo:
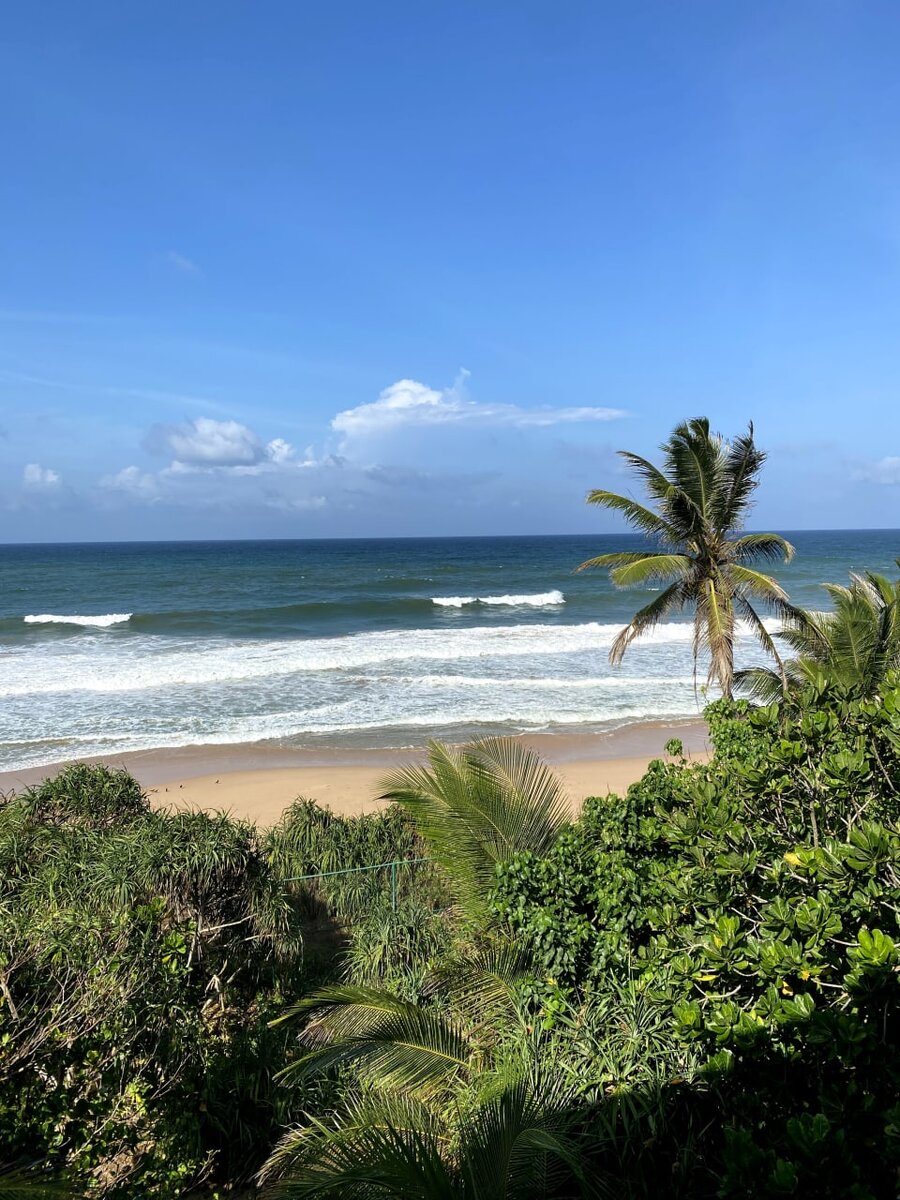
107 648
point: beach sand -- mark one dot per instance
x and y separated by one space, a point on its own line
259 781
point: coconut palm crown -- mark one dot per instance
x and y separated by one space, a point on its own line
700 500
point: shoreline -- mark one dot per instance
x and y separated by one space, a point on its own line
258 780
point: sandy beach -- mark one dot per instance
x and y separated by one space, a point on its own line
258 781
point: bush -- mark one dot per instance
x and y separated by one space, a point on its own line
756 899
91 797
142 958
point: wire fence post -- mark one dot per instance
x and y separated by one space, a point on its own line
394 886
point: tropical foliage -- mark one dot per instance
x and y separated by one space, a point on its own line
855 644
755 900
476 806
143 956
689 991
448 1098
692 990
701 498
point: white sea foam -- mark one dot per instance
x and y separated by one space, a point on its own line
535 600
151 690
101 622
154 662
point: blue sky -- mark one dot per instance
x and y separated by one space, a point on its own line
299 270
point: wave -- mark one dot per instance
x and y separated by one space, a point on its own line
147 662
536 600
102 621
78 696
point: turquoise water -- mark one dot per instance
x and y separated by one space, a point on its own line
378 642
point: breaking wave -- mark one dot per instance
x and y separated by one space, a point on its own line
102 621
536 600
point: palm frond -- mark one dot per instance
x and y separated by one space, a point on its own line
806 633
760 684
479 806
644 519
650 568
619 558
762 635
695 459
363 1150
374 1160
385 1146
743 462
770 546
520 1145
484 982
656 483
754 583
646 619
629 567
714 631
399 1044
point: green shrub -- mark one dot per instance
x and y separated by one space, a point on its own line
92 797
756 899
311 841
142 956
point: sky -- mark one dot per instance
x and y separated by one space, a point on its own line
325 270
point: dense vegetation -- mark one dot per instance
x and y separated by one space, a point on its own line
691 990
143 959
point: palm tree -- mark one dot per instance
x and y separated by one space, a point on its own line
464 1095
854 646
478 806
450 1103
701 498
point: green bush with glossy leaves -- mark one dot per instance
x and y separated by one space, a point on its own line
756 899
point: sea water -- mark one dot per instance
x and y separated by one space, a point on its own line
113 647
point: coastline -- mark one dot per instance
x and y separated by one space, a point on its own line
258 780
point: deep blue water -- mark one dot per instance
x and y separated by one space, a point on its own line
374 641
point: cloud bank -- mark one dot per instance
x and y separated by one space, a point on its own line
410 403
205 442
381 456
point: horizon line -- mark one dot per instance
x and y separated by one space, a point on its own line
405 537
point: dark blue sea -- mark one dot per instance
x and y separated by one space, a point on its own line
113 647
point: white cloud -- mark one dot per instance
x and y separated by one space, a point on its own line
280 451
887 470
211 462
207 442
134 482
182 263
410 403
36 476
